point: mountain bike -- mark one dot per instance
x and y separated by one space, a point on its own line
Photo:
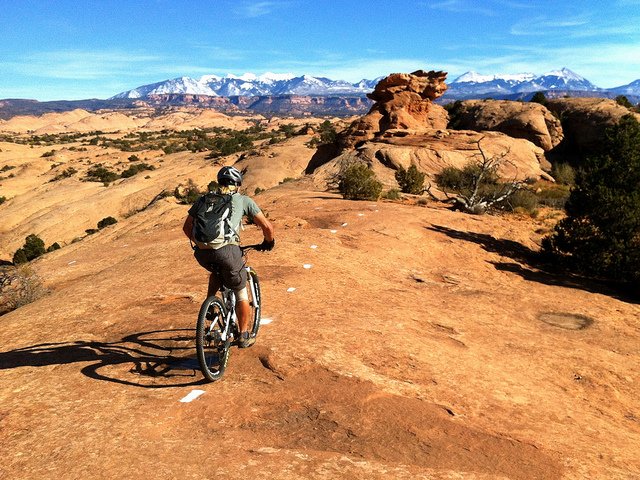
217 326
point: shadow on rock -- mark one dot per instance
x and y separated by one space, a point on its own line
155 359
531 266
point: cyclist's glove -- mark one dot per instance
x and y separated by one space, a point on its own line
266 245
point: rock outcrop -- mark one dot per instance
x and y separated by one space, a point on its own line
402 101
585 120
531 121
432 151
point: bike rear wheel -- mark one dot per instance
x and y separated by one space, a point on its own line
253 289
212 349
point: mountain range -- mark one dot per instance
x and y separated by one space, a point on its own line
269 84
468 85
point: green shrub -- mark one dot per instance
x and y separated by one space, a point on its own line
66 173
539 97
410 180
50 153
33 247
563 173
554 196
600 235
105 222
522 200
98 173
134 169
54 246
133 158
393 194
258 190
189 194
2 199
623 101
357 182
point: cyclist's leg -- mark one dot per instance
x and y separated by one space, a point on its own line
214 284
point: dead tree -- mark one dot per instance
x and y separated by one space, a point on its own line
475 198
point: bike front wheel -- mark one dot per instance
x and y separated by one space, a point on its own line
253 289
212 338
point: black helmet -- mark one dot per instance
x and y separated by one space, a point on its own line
229 176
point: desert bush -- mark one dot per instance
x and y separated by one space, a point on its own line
356 181
410 180
189 194
554 196
18 286
623 101
393 194
258 190
600 235
2 199
66 173
523 200
50 153
54 246
33 247
477 186
134 169
563 173
105 222
133 158
98 173
539 97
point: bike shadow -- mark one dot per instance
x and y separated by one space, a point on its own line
153 359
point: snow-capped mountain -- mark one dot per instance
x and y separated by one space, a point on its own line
252 85
472 84
467 86
632 88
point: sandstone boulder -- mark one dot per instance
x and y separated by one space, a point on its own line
403 101
585 120
531 121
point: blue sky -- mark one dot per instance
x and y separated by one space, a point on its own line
77 49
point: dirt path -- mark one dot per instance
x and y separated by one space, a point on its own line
419 344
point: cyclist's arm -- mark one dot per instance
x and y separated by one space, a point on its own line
187 228
267 229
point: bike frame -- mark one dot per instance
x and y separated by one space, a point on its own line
229 300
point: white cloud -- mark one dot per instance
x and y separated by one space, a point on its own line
460 6
542 26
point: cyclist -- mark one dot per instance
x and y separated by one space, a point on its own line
226 258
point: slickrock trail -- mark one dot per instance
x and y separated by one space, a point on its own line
419 344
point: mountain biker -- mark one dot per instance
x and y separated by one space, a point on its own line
226 258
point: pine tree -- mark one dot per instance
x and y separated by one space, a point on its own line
601 234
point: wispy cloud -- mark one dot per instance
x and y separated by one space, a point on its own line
257 9
78 64
541 26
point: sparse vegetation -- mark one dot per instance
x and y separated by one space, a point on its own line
393 194
66 173
623 101
477 186
600 235
356 181
189 194
18 286
2 199
99 173
539 97
137 168
33 247
50 153
563 173
410 180
105 222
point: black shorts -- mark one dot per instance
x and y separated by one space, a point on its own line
227 263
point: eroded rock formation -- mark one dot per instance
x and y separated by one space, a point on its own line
402 101
531 121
